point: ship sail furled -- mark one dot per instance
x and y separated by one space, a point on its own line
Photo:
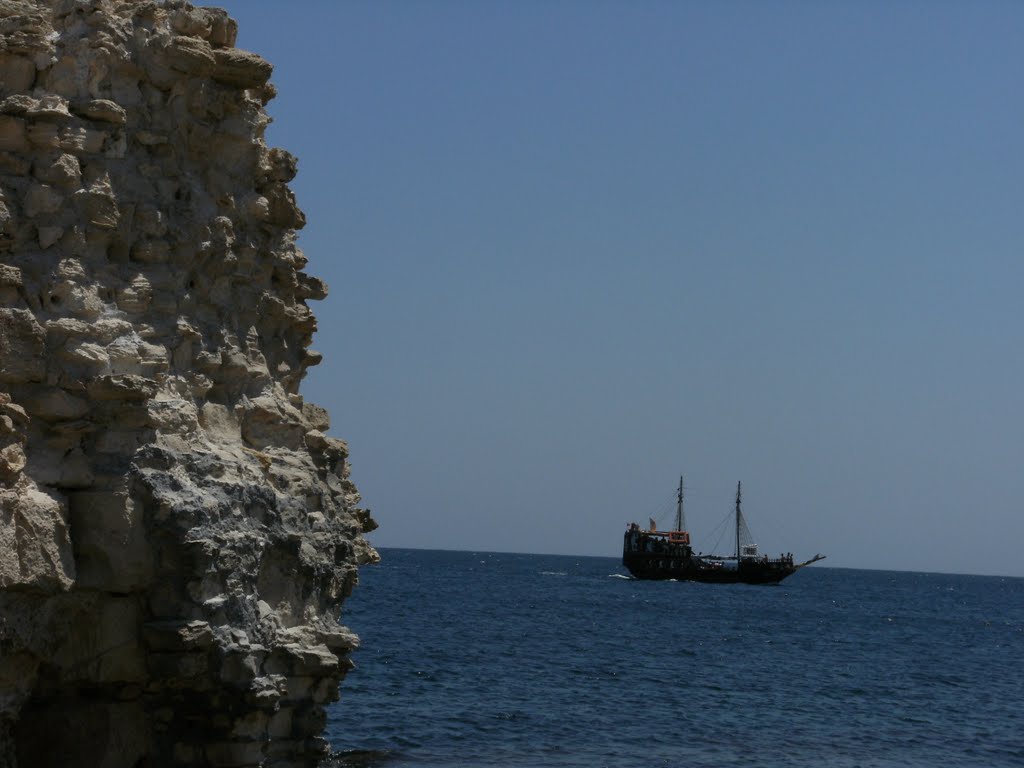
680 515
745 544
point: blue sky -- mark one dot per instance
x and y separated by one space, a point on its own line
577 248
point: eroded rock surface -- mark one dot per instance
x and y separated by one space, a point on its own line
177 532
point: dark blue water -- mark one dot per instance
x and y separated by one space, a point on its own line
475 659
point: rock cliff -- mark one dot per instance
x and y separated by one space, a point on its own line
177 532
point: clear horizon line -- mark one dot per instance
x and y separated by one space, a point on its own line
615 557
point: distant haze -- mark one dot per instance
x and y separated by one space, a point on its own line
578 248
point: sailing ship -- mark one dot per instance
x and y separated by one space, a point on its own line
654 554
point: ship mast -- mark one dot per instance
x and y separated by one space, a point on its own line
680 518
739 521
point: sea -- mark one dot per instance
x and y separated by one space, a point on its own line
506 660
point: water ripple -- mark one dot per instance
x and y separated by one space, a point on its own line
516 661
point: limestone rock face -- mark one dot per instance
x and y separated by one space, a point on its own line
177 533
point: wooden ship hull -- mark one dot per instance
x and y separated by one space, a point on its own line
650 556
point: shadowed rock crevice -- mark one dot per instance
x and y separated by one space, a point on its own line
177 531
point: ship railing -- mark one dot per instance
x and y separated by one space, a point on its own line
786 559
